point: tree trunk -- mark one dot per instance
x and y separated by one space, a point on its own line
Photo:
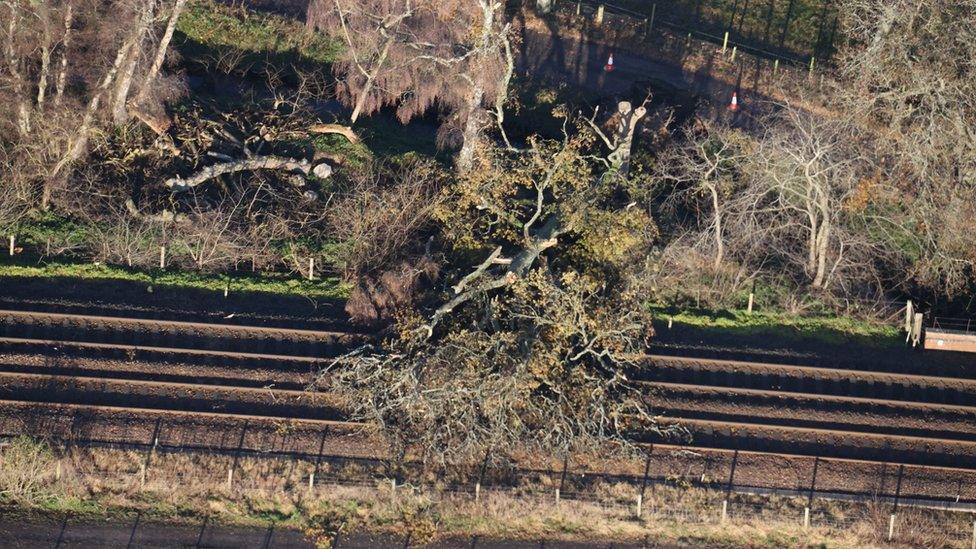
45 16
80 140
472 129
120 113
368 87
629 118
65 45
717 214
161 51
823 240
247 164
13 64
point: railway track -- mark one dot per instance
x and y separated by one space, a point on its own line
153 366
171 336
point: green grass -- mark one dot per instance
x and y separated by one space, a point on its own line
329 288
216 25
784 328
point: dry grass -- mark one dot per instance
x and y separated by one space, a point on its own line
186 487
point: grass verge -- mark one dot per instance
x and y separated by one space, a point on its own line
106 485
783 328
273 283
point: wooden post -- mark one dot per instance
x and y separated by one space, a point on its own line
670 321
311 268
230 478
562 478
752 298
311 483
725 509
12 244
917 329
57 471
226 288
599 15
813 61
891 527
162 257
393 487
909 314
775 67
806 518
477 491
725 42
142 475
640 503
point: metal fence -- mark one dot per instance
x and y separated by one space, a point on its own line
871 520
658 16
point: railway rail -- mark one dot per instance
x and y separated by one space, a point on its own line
886 416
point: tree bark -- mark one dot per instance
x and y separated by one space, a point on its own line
120 112
370 77
45 16
13 64
717 215
80 140
247 164
160 52
65 46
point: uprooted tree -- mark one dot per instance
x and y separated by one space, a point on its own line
530 344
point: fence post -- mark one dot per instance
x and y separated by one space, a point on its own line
917 329
775 67
735 49
891 527
230 477
640 504
806 518
142 475
725 42
311 268
13 241
57 470
477 491
162 257
909 313
599 15
311 484
813 61
752 298
725 510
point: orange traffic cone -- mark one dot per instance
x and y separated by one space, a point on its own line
609 66
734 105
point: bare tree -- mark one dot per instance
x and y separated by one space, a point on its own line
418 54
706 168
807 194
909 77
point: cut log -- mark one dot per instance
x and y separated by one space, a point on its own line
247 164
